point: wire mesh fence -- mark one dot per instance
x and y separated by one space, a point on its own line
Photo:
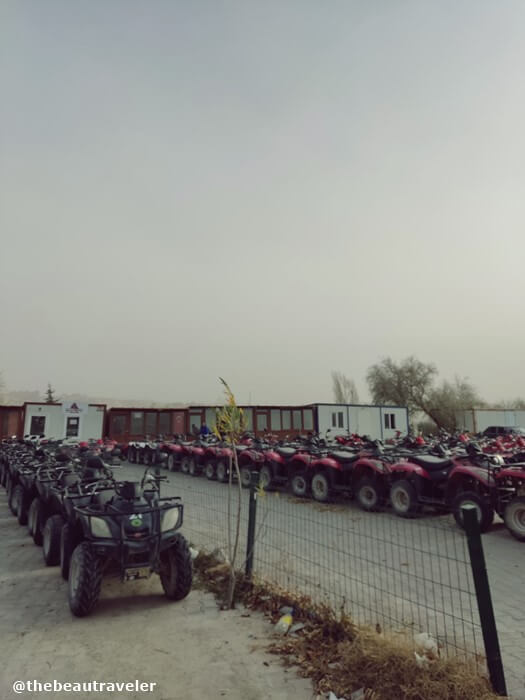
384 571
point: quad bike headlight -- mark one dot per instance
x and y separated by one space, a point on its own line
170 519
99 527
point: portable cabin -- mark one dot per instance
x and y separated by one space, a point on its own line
378 422
69 419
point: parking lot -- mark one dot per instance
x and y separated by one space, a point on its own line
188 649
389 571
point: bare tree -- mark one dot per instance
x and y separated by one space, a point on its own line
411 383
404 384
344 389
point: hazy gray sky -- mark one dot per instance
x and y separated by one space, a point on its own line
264 191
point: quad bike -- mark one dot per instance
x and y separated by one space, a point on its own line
131 531
445 483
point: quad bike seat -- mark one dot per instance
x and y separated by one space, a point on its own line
432 464
286 451
346 457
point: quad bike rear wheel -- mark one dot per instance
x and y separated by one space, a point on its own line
10 495
85 580
266 477
321 488
171 462
246 477
222 471
404 500
209 471
193 469
484 511
176 571
299 485
369 493
514 517
51 540
20 505
36 515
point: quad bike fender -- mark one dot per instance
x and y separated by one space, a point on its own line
272 456
368 467
407 470
300 461
326 463
516 474
472 473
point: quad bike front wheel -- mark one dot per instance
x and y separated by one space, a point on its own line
171 462
514 518
299 485
404 500
66 550
185 465
51 540
209 471
176 571
85 580
321 488
484 511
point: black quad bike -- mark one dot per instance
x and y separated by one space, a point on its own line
130 531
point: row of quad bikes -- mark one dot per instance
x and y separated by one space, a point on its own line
409 475
90 524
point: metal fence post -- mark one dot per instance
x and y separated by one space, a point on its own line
252 512
486 611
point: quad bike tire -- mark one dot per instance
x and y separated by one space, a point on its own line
67 546
185 465
20 505
209 471
176 570
514 518
369 494
10 496
485 511
299 485
85 580
36 525
246 477
171 462
131 455
267 478
221 470
194 469
321 487
404 500
51 540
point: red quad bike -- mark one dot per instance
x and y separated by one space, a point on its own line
217 461
174 451
331 471
444 483
510 498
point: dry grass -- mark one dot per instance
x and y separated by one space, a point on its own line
340 656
